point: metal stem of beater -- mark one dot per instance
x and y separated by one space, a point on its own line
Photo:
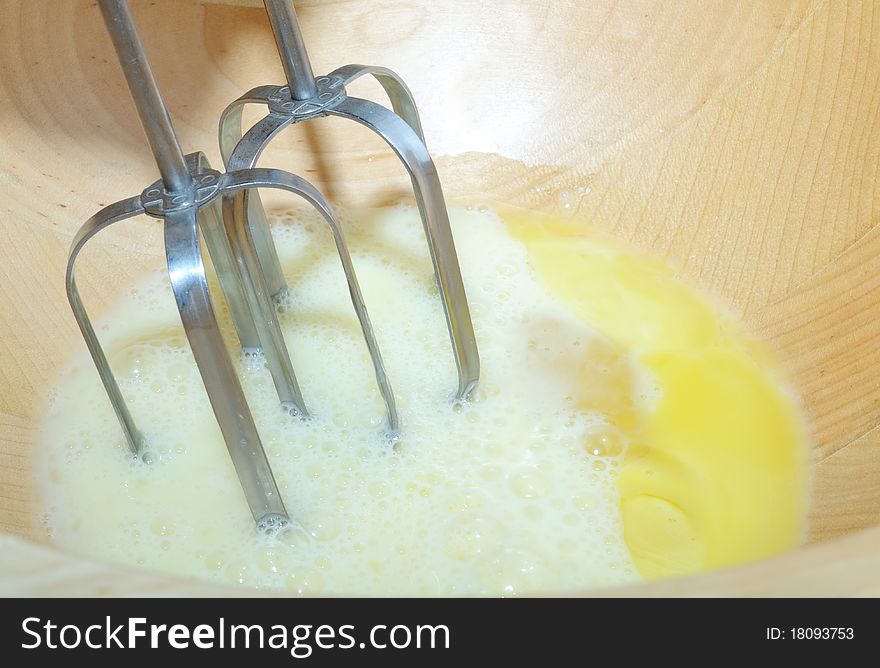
145 93
292 49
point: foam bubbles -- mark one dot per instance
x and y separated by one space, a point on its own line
508 494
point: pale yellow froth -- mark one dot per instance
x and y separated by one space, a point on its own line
514 493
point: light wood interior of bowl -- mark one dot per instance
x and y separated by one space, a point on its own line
739 139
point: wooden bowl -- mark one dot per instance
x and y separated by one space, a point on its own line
740 139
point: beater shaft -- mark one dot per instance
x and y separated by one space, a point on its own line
292 48
145 93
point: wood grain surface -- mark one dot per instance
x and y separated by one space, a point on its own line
740 139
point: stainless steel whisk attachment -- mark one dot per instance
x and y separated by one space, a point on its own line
305 97
197 202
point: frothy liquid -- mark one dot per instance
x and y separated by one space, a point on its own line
516 492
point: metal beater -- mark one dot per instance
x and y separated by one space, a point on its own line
193 198
306 97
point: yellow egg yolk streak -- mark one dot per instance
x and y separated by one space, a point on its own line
718 472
